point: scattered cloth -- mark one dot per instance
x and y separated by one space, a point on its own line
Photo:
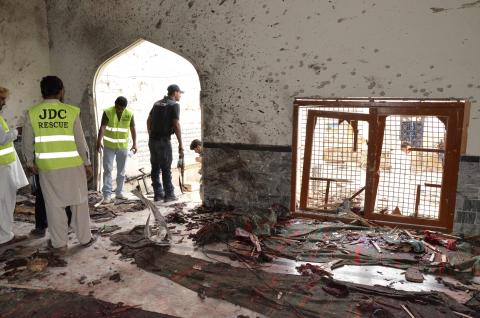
278 295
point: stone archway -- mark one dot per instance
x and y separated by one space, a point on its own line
141 72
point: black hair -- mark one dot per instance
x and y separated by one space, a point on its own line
195 143
50 86
121 101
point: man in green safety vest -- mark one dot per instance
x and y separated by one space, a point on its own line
117 122
56 150
12 178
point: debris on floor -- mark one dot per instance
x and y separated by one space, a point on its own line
281 295
258 239
21 269
25 208
107 212
413 275
159 233
115 277
317 270
105 230
259 222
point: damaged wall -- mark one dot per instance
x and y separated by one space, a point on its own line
24 54
254 56
467 214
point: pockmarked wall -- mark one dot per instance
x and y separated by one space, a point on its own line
24 55
255 56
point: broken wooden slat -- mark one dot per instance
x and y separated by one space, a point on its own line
445 235
376 246
408 311
417 200
433 248
444 258
410 236
357 193
461 315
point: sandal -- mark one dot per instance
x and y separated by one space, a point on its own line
15 239
92 240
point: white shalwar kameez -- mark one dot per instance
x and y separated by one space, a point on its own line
12 178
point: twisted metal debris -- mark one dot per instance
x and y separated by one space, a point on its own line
161 235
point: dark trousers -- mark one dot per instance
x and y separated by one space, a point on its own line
40 211
161 160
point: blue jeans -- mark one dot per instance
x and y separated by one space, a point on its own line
161 160
120 155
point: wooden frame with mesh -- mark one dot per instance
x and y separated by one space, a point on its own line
378 113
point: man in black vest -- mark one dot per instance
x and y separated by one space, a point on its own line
162 122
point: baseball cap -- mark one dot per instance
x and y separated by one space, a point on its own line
174 88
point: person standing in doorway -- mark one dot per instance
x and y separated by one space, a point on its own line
56 150
12 178
162 122
117 122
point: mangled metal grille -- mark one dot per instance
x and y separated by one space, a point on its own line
411 166
392 159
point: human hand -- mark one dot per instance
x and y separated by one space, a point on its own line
134 149
32 169
89 172
99 147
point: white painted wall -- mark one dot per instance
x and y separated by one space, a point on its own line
24 54
255 56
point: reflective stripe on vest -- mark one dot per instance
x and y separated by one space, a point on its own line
117 131
7 151
115 140
55 155
53 128
54 138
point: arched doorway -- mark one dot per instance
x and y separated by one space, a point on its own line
141 73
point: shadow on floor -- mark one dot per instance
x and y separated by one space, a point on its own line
23 303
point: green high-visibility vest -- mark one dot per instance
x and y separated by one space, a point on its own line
53 128
117 131
7 151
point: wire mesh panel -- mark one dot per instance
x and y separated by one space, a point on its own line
408 170
411 167
302 132
338 164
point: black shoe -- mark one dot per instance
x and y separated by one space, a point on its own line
170 198
38 232
159 197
